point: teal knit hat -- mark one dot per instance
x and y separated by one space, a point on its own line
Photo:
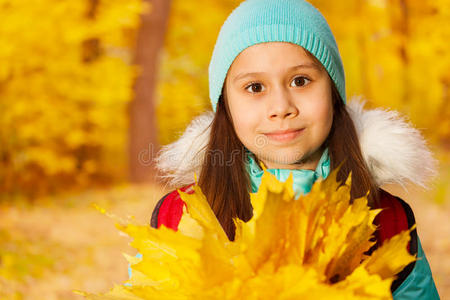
259 21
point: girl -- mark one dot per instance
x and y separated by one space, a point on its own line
277 89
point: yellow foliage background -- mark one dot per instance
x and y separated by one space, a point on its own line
65 81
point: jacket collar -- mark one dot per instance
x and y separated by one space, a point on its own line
303 180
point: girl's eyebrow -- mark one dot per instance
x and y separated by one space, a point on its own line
301 66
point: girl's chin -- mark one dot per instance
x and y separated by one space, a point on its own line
282 161
288 159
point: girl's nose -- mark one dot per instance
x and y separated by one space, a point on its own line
281 105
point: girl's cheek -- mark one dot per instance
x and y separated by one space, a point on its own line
246 125
248 111
320 106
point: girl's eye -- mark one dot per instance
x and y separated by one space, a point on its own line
254 87
300 81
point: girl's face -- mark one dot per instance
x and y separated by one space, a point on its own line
280 103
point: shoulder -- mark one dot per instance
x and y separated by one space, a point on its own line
169 209
396 217
416 279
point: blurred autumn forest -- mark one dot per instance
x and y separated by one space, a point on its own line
89 89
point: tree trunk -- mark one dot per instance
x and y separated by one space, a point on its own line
143 144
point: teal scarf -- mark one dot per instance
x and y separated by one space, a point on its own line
303 179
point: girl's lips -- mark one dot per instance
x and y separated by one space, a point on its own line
284 135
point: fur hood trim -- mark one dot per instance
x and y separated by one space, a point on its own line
395 152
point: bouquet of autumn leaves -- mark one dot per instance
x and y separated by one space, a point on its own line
312 247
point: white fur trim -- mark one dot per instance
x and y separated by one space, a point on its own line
180 160
394 151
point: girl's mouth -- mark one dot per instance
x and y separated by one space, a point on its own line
284 135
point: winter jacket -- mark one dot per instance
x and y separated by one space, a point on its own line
393 151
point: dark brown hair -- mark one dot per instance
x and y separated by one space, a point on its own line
345 153
223 178
226 183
